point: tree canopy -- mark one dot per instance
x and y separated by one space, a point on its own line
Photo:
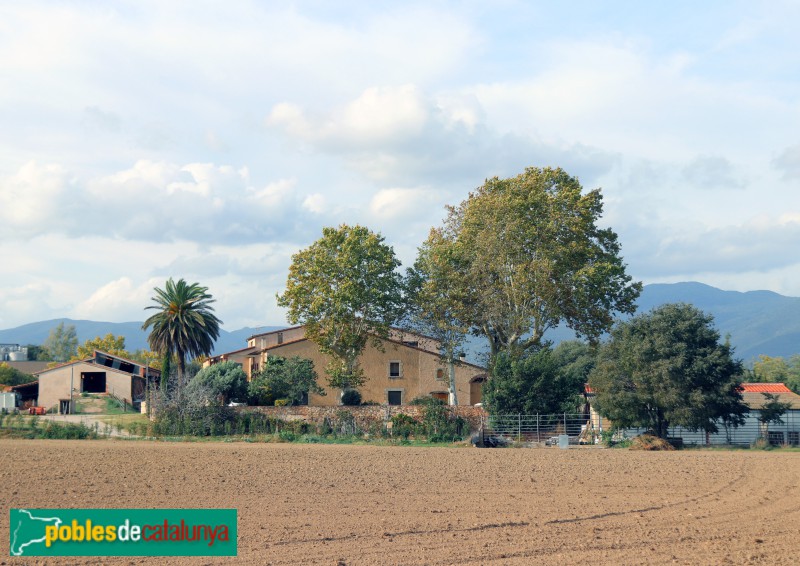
773 369
534 383
435 310
523 254
12 376
114 345
345 289
185 324
773 409
285 379
667 368
222 382
62 343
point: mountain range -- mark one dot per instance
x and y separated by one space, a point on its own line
758 322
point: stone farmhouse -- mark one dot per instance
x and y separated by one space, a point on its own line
408 367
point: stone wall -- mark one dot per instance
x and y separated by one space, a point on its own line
364 415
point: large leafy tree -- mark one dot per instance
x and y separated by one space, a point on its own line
345 289
12 376
218 383
38 353
114 345
667 368
62 342
774 369
185 324
533 383
289 379
436 309
526 254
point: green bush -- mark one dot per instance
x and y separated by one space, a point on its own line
438 422
404 425
287 436
67 431
344 423
351 398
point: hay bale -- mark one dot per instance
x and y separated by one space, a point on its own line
650 442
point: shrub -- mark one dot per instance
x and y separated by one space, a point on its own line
351 398
404 425
438 422
344 423
71 431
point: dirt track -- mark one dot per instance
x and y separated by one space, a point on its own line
311 504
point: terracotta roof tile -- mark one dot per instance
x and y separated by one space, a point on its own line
765 388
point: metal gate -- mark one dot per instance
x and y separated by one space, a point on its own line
541 428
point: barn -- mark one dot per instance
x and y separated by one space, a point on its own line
103 373
754 395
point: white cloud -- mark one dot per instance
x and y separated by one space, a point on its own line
114 300
788 162
135 145
378 117
399 203
315 203
34 199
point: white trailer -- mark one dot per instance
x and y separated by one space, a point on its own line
8 401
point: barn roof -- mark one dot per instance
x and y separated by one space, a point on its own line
765 388
755 399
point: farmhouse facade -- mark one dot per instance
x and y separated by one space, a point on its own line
102 373
407 366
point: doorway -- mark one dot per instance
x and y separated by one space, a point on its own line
93 382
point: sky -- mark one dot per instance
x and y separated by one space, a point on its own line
210 141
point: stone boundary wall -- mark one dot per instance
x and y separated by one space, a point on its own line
364 415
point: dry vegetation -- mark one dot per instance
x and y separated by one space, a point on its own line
327 504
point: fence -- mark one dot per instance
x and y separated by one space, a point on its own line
778 434
583 429
541 428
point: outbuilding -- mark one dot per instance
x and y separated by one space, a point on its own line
103 373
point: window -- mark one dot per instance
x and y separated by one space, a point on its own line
394 370
775 437
440 374
394 396
280 337
794 438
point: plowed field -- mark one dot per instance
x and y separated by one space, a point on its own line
322 504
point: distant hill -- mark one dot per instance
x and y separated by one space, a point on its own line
135 337
758 322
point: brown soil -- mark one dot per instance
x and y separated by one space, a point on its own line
312 504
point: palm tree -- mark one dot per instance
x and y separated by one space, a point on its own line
185 324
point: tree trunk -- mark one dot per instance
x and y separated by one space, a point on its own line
451 368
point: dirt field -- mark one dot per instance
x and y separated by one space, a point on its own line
311 504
